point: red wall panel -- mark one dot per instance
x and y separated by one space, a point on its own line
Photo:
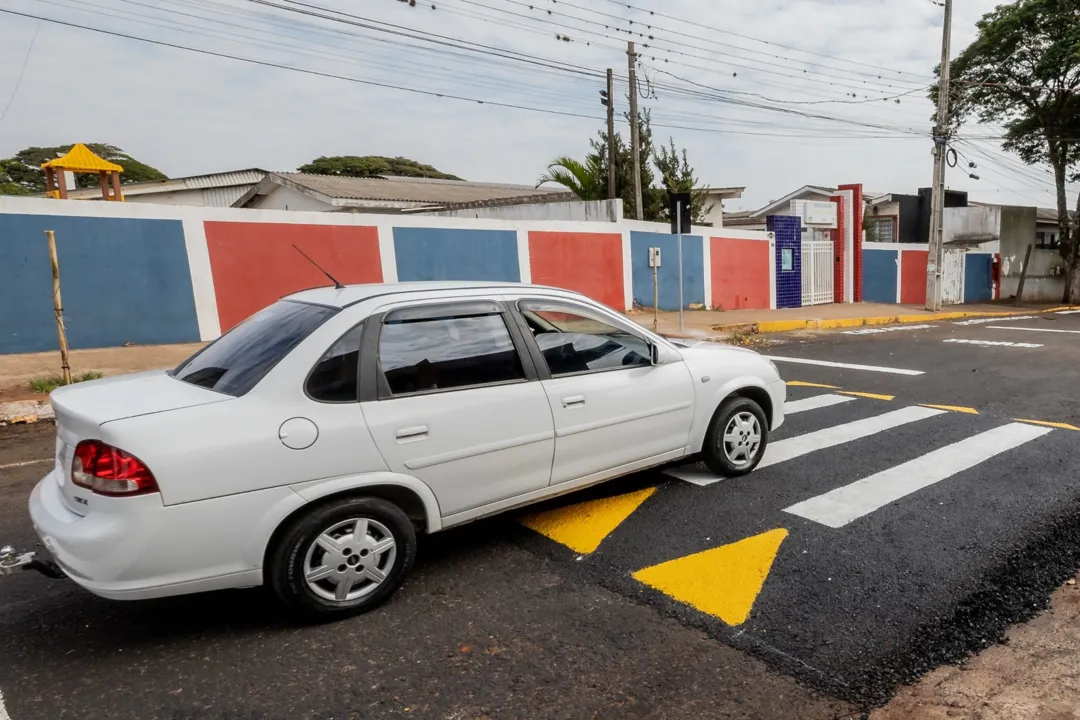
740 274
588 263
913 277
254 264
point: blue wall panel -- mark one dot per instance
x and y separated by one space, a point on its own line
977 278
122 281
788 231
444 254
668 276
879 275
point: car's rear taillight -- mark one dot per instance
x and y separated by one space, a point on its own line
106 470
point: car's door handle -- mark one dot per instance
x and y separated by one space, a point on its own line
413 432
572 400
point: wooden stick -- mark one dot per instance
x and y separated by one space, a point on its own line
1023 276
58 306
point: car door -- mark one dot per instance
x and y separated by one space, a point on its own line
614 410
457 404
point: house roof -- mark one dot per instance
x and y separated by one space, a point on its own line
231 178
402 192
724 192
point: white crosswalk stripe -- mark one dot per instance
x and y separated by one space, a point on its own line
845 504
815 403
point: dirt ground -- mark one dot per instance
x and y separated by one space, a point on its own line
1035 675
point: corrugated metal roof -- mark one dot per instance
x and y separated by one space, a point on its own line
418 190
224 196
225 179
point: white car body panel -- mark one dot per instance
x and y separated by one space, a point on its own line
228 479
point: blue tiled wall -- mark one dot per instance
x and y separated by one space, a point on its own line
668 276
879 275
788 237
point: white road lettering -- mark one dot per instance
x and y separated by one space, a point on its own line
1049 330
813 403
800 445
851 502
876 331
1067 312
983 321
845 366
992 343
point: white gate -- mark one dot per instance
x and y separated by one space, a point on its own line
817 271
952 277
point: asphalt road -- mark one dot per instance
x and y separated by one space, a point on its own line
890 538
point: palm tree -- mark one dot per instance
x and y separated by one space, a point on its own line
584 179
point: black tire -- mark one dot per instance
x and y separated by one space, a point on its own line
712 451
287 563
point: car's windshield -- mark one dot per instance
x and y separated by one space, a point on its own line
239 359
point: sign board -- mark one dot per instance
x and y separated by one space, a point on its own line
679 210
819 214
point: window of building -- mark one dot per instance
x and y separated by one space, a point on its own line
1047 239
443 353
334 378
881 229
573 342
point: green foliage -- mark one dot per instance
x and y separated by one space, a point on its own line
678 177
22 174
369 165
586 180
46 385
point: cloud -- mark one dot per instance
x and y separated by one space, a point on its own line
188 113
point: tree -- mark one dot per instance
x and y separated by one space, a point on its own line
585 179
678 177
1023 72
22 174
370 165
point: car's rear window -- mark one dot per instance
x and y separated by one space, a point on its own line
239 359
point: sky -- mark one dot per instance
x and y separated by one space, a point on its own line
770 94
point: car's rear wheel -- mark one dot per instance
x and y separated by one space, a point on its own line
342 558
737 437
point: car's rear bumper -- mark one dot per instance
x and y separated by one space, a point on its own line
137 548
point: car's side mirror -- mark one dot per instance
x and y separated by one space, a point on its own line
654 353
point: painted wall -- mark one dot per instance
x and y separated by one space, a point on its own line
740 273
589 263
913 276
577 211
122 281
254 264
456 254
880 275
668 275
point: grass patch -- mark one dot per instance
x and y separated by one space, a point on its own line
48 384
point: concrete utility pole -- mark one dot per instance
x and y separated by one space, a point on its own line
936 257
610 135
635 141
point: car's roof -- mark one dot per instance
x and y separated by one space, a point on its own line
352 294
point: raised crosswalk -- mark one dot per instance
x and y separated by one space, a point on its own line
850 498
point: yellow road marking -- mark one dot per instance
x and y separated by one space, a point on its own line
799 383
583 526
953 408
1063 426
723 582
872 396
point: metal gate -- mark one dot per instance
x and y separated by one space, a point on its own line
817 271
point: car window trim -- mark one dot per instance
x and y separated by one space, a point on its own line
307 378
570 305
373 384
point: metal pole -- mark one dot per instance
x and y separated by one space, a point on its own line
635 141
58 307
611 135
679 227
655 300
936 256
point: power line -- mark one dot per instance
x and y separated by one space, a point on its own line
22 72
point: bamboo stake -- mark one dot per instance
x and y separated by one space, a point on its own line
58 306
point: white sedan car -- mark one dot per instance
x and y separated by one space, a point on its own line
307 447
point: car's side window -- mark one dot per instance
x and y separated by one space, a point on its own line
334 378
573 341
429 354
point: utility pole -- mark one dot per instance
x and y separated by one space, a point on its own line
635 141
607 99
936 257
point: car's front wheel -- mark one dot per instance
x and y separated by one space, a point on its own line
342 558
737 437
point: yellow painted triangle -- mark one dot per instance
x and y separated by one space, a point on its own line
800 383
723 582
582 527
954 408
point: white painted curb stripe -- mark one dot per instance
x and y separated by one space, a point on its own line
1049 330
792 448
846 366
843 505
813 403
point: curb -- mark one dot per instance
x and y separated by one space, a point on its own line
25 411
778 326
